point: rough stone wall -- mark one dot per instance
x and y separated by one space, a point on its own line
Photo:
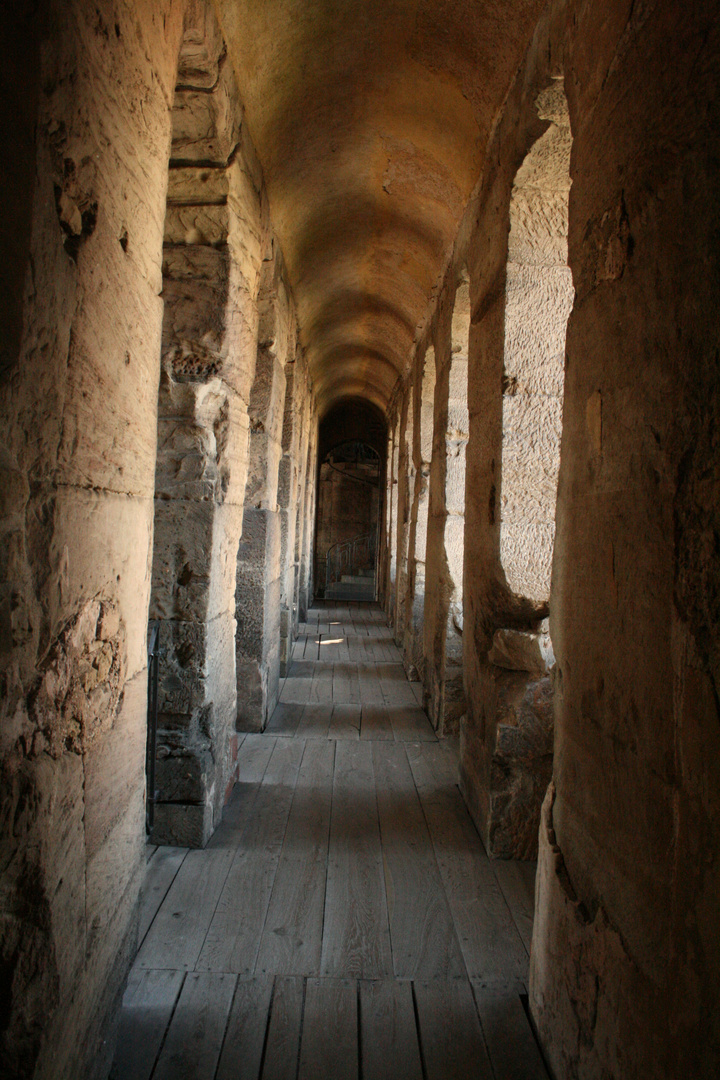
626 953
215 237
423 397
259 571
443 675
78 402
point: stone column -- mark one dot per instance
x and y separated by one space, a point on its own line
215 232
626 956
423 402
302 498
406 484
288 487
444 692
306 559
258 583
86 180
392 517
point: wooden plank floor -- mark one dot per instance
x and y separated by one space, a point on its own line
344 920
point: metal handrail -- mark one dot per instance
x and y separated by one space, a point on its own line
151 752
349 555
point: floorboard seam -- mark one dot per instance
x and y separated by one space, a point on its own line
418 1032
169 1023
327 857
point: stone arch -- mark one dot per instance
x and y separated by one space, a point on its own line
518 352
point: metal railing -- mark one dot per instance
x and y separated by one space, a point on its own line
153 674
349 557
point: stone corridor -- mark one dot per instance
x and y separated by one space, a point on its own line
307 303
344 920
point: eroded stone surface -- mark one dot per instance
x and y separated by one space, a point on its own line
523 650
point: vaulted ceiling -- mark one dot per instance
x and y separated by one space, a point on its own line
370 118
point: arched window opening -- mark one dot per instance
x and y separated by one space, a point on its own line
539 296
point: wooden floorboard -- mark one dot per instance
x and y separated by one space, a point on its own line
356 936
410 724
451 1039
510 1041
344 920
178 931
487 933
147 1007
192 1047
242 1052
370 689
233 936
315 722
330 1031
389 1037
422 932
346 684
345 723
517 881
284 1029
284 720
292 935
321 690
159 876
376 724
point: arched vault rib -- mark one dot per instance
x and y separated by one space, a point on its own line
367 376
370 123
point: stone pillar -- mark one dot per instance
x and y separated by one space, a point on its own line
287 502
520 300
392 517
308 542
303 452
423 402
444 691
259 575
625 961
78 428
406 484
215 231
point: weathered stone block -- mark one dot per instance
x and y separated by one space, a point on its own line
522 650
521 767
203 224
206 126
197 185
251 695
182 825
